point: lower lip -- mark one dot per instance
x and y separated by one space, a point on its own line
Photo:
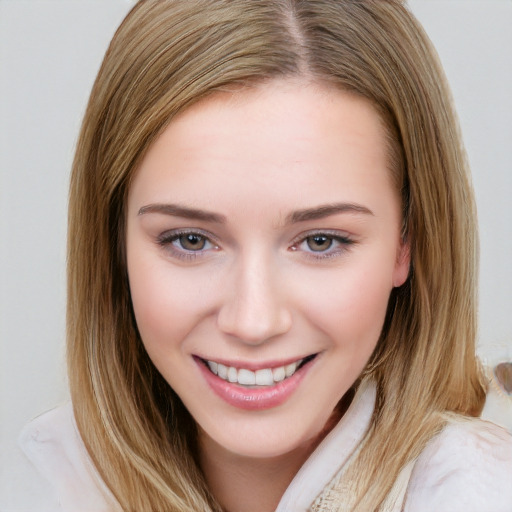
254 399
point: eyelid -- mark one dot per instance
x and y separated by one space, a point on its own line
331 233
344 239
174 233
165 240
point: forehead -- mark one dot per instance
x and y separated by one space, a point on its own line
268 140
285 109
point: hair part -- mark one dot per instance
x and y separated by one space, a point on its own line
169 54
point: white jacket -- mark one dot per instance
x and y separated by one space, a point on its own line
466 468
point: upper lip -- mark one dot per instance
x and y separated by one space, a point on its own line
255 365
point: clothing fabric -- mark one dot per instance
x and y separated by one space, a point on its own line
466 468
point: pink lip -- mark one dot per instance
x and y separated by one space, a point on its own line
253 399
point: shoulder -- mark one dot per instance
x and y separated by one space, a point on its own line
48 433
466 468
53 445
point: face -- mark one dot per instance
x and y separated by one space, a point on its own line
263 241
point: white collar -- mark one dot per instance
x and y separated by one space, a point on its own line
54 446
332 453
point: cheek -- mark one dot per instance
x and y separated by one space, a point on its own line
351 304
167 304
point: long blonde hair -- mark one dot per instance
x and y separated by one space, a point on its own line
166 55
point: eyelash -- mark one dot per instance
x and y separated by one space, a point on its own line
343 244
168 241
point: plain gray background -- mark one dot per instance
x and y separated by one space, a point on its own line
50 51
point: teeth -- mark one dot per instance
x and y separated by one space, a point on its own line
289 369
264 377
279 374
222 371
245 377
232 374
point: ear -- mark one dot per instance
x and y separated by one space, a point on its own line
402 263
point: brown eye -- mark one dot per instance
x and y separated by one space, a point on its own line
319 243
192 242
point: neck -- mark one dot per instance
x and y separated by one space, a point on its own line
246 484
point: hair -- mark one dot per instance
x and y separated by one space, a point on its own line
165 56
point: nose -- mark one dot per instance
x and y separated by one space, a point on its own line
254 309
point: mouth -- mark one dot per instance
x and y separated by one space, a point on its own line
254 379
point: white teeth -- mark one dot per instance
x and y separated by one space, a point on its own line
222 371
289 369
264 377
279 374
232 374
245 377
213 367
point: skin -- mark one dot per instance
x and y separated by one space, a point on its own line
257 287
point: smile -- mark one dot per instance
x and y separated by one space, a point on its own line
246 377
263 377
256 389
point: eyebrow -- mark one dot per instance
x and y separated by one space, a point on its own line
326 210
315 213
183 211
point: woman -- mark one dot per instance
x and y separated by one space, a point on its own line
272 260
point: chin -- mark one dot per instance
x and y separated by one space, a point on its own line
264 437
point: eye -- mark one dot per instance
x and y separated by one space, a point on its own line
186 244
191 242
319 243
323 244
